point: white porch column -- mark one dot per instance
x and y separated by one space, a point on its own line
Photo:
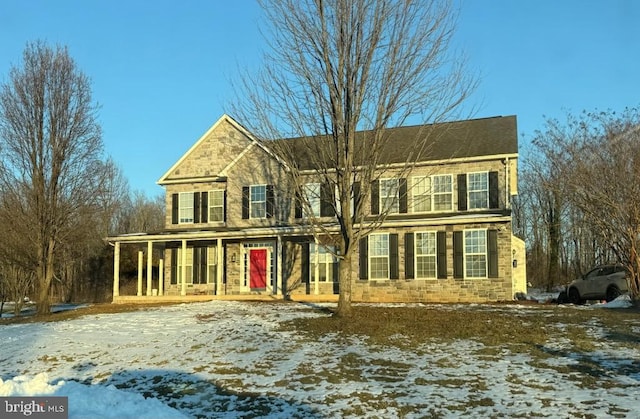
116 270
160 276
140 256
219 266
149 267
183 289
278 289
316 271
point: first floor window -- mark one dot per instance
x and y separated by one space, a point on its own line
216 205
186 207
425 254
379 256
322 263
475 253
188 263
258 201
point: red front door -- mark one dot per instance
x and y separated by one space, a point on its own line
258 268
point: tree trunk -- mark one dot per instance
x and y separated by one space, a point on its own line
46 278
344 300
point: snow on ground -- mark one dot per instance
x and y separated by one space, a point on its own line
228 359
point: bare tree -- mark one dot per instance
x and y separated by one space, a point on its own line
600 157
51 144
341 66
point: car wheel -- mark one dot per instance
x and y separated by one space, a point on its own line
562 298
574 297
612 293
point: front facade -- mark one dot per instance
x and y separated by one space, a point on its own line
234 228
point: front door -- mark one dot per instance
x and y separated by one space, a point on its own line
258 268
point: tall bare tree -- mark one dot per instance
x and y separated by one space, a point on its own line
599 156
51 145
336 67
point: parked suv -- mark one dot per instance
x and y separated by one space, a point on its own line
605 282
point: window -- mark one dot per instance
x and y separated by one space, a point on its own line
189 265
432 193
258 201
312 195
186 207
478 190
322 263
425 255
475 253
421 192
216 205
379 256
389 201
442 192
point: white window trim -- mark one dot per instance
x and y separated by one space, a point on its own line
486 253
394 208
252 202
182 207
434 255
314 201
189 264
430 194
469 191
211 206
369 256
324 260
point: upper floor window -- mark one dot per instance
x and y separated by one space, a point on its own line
478 190
216 205
389 200
186 207
258 201
312 195
432 193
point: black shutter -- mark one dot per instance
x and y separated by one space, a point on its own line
364 258
224 206
493 190
442 254
393 257
195 266
326 201
174 266
203 266
403 207
408 256
298 206
375 197
462 192
174 208
492 265
270 201
204 207
196 207
245 202
305 263
356 197
458 255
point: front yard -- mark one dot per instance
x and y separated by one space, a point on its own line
229 359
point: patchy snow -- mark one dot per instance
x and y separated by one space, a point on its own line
227 359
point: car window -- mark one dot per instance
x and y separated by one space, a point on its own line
607 270
593 273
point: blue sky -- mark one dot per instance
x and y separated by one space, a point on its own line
161 70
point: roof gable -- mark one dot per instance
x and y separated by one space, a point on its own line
213 154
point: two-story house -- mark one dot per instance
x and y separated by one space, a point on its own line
234 226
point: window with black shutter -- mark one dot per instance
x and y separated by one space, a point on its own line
364 258
408 256
458 254
442 254
494 193
375 197
393 257
174 208
462 192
